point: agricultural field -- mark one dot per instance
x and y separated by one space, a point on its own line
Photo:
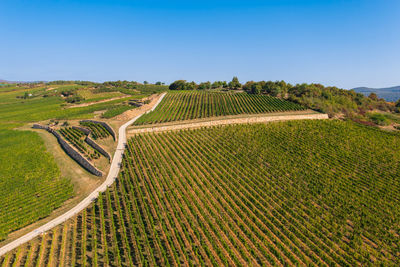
98 131
31 185
91 95
189 105
287 193
77 139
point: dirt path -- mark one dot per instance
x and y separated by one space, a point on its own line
221 121
97 102
136 111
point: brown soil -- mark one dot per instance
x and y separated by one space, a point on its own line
117 121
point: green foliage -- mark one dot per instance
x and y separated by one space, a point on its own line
97 130
256 88
74 99
30 182
379 118
178 85
235 84
397 103
203 86
116 110
198 104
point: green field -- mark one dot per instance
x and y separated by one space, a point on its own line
30 183
189 105
290 193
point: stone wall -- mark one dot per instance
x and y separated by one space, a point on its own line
105 125
97 147
86 131
259 119
75 155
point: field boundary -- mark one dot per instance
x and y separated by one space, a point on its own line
216 122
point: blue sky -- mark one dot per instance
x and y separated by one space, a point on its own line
343 43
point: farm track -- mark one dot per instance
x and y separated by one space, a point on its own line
216 121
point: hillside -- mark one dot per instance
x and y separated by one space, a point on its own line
390 94
187 105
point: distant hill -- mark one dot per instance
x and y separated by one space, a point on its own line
4 81
390 94
11 82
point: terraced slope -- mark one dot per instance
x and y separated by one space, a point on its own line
288 193
188 105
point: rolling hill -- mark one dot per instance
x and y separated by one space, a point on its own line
391 94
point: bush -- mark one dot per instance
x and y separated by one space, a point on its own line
379 119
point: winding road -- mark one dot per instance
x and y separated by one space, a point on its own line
112 175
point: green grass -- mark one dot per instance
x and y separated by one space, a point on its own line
188 105
117 110
30 182
89 96
311 193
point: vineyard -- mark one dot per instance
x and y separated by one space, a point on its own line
31 185
178 106
77 139
288 193
97 130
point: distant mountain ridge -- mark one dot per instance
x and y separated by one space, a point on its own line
390 94
6 81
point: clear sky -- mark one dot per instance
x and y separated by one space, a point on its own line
345 43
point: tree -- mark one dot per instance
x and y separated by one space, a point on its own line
205 85
398 103
158 83
190 86
248 85
276 90
373 96
178 85
256 88
235 84
217 84
145 82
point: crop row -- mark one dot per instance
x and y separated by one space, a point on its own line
312 193
77 139
97 130
194 105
